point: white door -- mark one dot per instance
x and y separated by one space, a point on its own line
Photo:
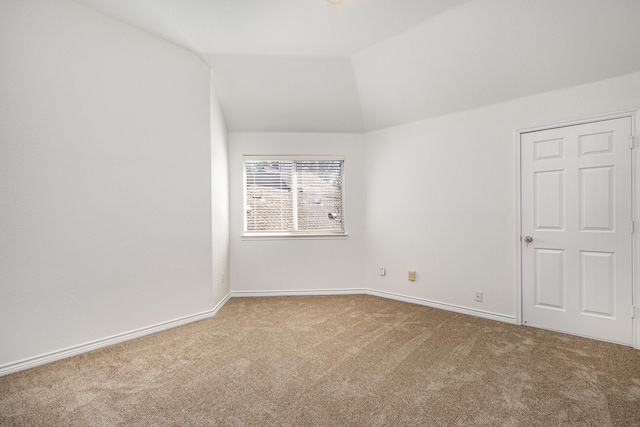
577 210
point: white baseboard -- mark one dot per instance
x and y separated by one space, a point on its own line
383 294
444 306
105 342
351 291
116 339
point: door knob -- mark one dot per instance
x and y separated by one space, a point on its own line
528 239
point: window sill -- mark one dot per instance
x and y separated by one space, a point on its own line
293 236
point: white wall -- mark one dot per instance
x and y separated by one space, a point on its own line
437 196
297 263
105 179
219 200
445 204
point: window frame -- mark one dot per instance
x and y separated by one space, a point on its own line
312 234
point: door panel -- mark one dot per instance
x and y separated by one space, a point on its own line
577 207
549 278
549 200
597 283
596 199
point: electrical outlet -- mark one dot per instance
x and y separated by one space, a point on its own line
478 296
412 275
382 271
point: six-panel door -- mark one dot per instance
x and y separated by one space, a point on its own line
577 208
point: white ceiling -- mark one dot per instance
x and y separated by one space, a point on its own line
274 27
491 51
287 93
310 66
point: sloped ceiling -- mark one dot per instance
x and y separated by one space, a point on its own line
310 66
489 51
291 93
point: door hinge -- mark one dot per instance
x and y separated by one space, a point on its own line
633 227
634 312
632 142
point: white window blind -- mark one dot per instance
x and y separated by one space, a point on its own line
293 196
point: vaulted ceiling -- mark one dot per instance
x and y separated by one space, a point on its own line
312 66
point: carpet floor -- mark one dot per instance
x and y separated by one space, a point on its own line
348 360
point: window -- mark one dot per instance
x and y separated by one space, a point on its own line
293 195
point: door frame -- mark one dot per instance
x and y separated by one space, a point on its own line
635 202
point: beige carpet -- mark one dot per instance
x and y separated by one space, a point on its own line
334 361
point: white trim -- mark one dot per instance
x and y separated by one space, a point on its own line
383 294
295 236
634 114
94 345
116 339
518 293
444 306
635 158
578 121
288 157
310 292
105 342
294 160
